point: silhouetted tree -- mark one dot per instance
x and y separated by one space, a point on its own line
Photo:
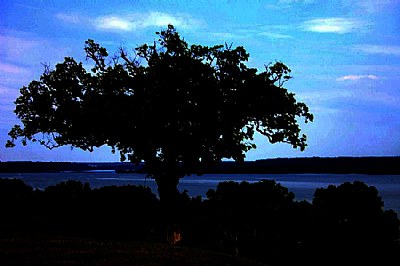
356 223
15 204
249 218
13 190
178 108
69 190
349 201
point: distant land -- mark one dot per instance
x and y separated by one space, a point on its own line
334 165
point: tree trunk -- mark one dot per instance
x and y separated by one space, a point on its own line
168 188
167 174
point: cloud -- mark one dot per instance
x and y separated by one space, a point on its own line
296 1
333 25
318 97
163 19
379 49
16 47
336 99
285 4
113 23
252 32
357 77
374 6
29 50
12 69
7 96
132 22
4 91
12 75
273 35
28 7
226 35
70 18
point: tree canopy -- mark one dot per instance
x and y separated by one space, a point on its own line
176 107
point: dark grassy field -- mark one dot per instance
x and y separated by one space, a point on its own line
69 251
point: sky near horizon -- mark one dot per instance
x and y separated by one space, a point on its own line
344 56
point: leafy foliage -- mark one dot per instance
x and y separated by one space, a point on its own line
356 210
266 194
349 201
176 107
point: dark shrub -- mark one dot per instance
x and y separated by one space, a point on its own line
124 211
247 219
67 191
355 223
15 204
349 201
13 190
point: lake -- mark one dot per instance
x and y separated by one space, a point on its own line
302 185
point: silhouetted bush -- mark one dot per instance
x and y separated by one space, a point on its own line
67 191
349 201
246 219
345 224
15 204
128 211
356 226
13 190
64 207
73 208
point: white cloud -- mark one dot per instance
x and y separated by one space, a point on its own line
252 32
28 7
132 22
7 98
163 19
226 35
318 97
69 18
379 49
28 50
296 1
285 4
375 6
113 23
12 76
16 47
381 97
273 35
327 100
12 69
3 90
333 25
357 77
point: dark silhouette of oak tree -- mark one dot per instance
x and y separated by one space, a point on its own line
175 107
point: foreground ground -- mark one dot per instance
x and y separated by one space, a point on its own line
69 251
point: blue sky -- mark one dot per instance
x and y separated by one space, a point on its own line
344 54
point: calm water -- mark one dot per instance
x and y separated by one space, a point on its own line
302 185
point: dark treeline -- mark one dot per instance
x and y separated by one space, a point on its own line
338 165
45 167
344 225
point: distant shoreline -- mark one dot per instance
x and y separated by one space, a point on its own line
319 165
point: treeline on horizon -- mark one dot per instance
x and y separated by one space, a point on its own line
334 165
343 225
